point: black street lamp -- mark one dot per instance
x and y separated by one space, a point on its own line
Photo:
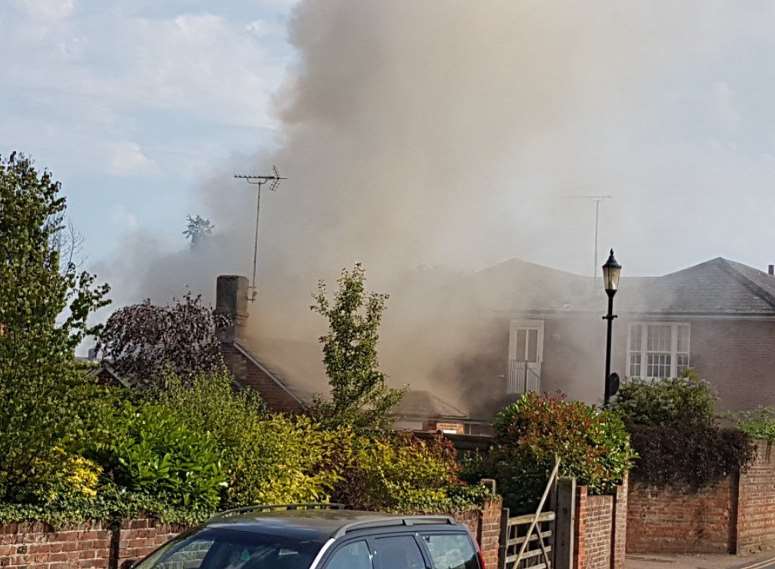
612 270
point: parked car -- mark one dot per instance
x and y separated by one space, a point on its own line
320 538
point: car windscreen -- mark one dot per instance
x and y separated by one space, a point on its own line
222 548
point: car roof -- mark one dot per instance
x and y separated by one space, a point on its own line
320 524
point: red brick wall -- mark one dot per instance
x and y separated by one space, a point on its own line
485 526
601 523
664 520
38 546
138 538
756 504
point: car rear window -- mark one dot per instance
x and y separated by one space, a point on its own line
451 551
230 549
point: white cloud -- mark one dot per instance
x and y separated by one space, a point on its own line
47 10
128 159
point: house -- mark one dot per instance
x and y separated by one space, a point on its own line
717 317
526 327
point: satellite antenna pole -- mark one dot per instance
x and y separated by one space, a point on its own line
259 180
596 199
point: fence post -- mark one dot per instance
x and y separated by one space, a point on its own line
565 520
503 544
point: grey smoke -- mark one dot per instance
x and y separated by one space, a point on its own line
445 134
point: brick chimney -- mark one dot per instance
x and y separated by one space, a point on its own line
231 299
771 270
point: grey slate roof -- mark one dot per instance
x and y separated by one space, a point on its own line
718 287
421 403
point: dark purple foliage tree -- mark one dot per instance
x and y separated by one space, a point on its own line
145 342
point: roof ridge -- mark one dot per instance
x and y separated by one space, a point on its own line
729 267
245 351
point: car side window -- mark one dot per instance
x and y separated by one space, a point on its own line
451 551
355 555
398 552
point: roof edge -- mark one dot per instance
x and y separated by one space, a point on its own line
255 361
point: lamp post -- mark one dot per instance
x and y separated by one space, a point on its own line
612 270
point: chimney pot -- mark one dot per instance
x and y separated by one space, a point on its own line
231 299
771 269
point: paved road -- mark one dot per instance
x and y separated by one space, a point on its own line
762 561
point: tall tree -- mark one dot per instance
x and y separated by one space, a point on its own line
44 308
143 342
198 229
359 395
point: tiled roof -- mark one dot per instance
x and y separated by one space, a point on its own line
718 287
420 403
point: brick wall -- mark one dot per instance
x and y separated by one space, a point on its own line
756 503
679 520
38 546
485 526
600 530
138 538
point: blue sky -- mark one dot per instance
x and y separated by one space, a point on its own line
131 103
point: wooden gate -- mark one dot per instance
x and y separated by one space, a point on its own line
544 539
526 541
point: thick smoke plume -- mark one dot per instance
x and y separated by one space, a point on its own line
426 139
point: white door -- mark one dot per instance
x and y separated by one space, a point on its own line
526 350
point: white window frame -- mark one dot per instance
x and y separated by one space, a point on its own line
644 343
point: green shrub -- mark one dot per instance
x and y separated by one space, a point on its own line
675 433
593 446
757 423
210 403
686 400
280 460
402 473
154 452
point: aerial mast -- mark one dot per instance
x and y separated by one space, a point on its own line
259 180
596 199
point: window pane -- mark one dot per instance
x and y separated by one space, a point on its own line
658 365
532 346
217 547
659 338
351 556
398 553
635 364
451 551
521 344
190 556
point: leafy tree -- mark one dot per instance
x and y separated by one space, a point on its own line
197 229
360 397
144 342
43 317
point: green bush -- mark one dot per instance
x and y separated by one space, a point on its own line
757 423
401 473
593 446
154 452
683 400
675 432
279 461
